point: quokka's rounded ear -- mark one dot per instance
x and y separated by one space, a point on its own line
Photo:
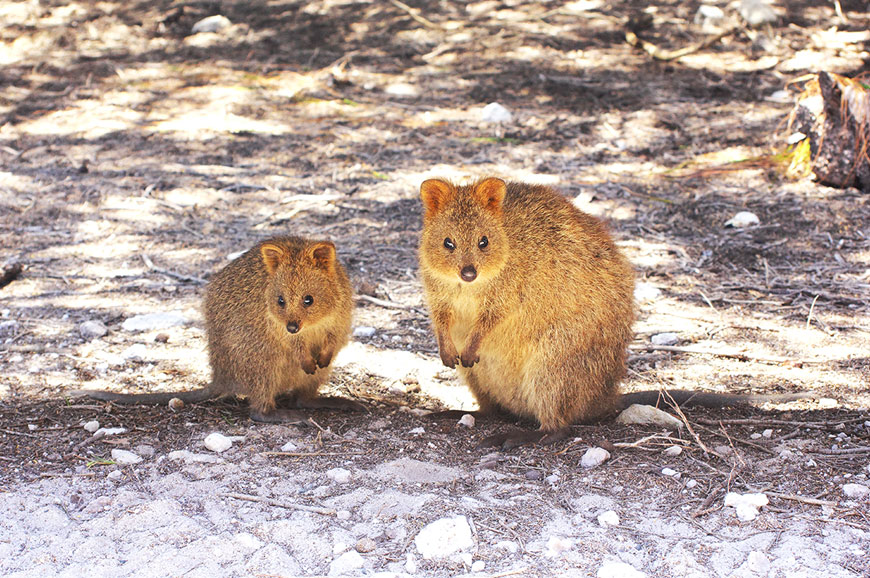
322 254
490 193
436 193
272 255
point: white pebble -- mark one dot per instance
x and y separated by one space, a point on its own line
153 321
136 352
115 475
746 505
648 415
755 435
467 420
673 451
214 23
665 339
125 458
558 544
552 479
757 562
217 442
110 431
338 475
608 518
670 472
644 292
92 426
757 12
32 427
691 484
618 570
478 566
742 219
767 433
364 331
511 547
496 113
289 447
343 515
443 537
856 491
417 431
346 564
92 329
594 457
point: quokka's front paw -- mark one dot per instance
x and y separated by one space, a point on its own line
448 352
469 357
309 365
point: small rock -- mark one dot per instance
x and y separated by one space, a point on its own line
608 518
289 447
747 505
364 331
92 329
343 515
217 442
495 113
665 339
338 475
742 219
443 537
507 545
755 436
534 475
190 457
757 562
176 404
856 491
32 427
110 431
347 564
757 12
467 420
552 479
647 414
478 566
709 17
618 570
115 475
594 457
125 458
691 484
673 451
92 426
144 450
365 545
645 293
417 431
214 23
153 321
767 433
136 352
670 472
558 544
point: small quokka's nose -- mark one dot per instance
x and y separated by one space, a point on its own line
468 273
293 327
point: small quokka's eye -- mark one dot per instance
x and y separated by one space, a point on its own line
281 302
307 300
483 243
448 244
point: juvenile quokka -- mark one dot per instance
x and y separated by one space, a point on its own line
530 296
275 318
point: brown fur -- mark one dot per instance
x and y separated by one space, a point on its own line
542 330
251 350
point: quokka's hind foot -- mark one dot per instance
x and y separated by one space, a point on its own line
330 402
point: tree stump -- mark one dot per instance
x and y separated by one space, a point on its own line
834 113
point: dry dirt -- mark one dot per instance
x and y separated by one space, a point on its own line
136 156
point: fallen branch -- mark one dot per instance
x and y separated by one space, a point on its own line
794 498
168 273
279 504
668 55
843 451
412 12
381 302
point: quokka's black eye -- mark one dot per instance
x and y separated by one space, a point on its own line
448 244
281 302
307 300
483 243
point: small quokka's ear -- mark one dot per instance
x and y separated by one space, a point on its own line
436 194
490 193
322 254
272 256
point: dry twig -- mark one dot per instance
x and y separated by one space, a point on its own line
168 273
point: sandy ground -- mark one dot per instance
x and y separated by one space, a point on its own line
136 156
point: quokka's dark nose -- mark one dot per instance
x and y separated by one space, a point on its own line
468 273
293 327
